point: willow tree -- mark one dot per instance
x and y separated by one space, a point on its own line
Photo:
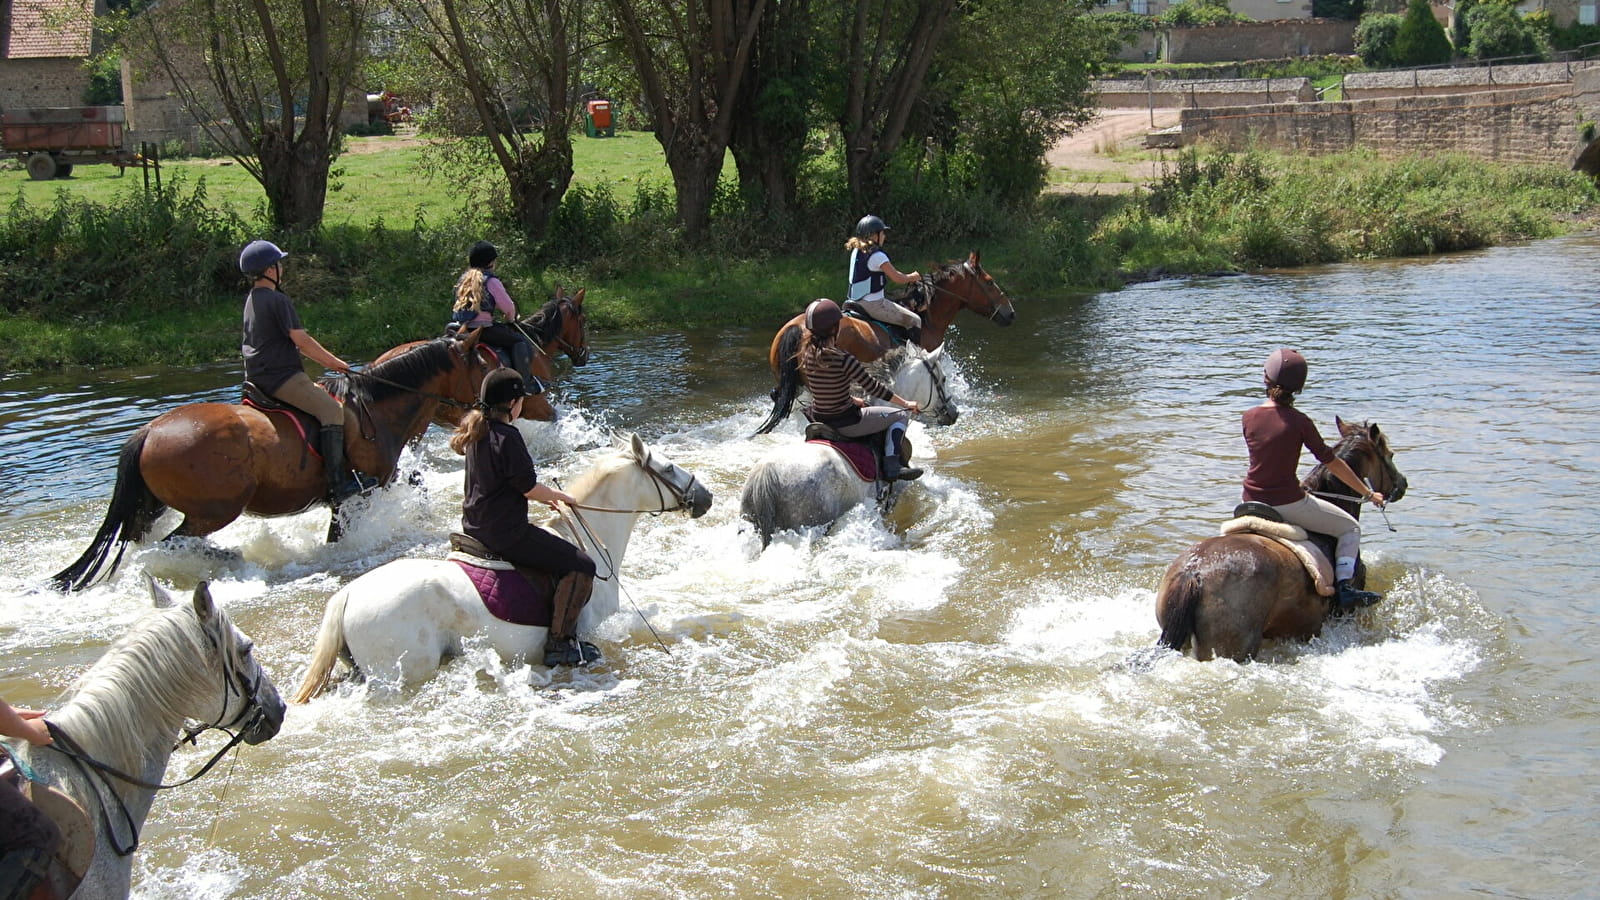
266 80
691 57
512 63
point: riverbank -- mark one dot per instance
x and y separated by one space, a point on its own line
138 277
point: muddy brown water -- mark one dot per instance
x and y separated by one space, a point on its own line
949 705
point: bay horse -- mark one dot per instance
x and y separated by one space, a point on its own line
118 724
949 289
214 462
560 326
399 622
1226 594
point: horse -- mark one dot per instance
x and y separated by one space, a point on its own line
559 324
399 622
216 461
1226 594
951 288
119 723
922 377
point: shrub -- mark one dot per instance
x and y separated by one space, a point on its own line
1375 39
1497 31
1421 40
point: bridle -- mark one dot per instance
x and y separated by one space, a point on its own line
665 487
578 352
98 773
980 277
940 391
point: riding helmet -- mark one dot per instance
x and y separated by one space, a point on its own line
869 226
258 256
482 254
501 387
1286 369
823 316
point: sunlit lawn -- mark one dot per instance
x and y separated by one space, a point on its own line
377 178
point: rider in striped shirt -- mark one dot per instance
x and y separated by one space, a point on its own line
829 372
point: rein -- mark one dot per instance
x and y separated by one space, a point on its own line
940 392
933 285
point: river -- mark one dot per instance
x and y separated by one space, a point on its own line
942 705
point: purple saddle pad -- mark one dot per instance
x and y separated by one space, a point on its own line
860 456
510 597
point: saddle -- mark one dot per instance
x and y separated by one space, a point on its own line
1261 519
855 310
865 453
510 593
307 425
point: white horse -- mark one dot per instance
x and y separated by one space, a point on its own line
399 622
923 376
119 723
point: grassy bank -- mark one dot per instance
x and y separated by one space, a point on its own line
94 271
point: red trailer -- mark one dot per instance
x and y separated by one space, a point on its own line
51 141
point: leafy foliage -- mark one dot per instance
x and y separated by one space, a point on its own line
1421 40
1495 30
1375 39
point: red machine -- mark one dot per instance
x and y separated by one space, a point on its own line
51 141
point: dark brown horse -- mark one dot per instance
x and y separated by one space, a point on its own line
558 327
216 461
950 289
1226 594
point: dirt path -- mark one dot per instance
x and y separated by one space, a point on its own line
1086 151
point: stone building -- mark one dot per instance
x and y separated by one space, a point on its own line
43 47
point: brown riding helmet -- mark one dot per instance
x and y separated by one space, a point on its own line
1286 369
823 316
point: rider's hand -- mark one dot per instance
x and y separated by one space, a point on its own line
914 406
1377 499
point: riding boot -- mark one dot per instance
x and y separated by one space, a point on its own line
914 335
1348 597
894 470
562 647
341 486
522 361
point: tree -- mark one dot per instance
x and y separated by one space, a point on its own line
1375 38
1496 30
1421 40
775 108
267 80
692 57
511 63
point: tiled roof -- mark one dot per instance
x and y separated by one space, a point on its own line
48 29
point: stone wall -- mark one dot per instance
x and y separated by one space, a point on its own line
1537 125
42 82
1163 94
1260 40
1422 82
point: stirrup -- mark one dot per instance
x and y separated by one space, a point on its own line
1349 598
570 652
358 484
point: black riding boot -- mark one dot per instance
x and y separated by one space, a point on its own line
914 335
1347 597
341 486
562 647
894 470
522 361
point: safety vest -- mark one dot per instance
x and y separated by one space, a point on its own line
864 282
485 303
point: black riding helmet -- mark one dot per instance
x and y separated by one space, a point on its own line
502 387
1287 369
869 226
482 254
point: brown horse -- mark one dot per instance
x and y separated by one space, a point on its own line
952 288
1226 594
216 461
559 325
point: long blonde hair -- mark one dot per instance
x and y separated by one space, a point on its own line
859 243
471 288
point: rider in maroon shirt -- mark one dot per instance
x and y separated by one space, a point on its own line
1274 432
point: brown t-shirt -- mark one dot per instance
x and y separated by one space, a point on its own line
1274 434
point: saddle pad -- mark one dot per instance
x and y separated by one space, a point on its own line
1291 536
507 595
295 416
861 457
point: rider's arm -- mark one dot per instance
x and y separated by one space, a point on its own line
316 352
24 723
1342 470
897 276
549 496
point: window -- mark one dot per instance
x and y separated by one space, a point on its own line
1586 12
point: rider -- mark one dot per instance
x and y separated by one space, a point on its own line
870 269
273 342
829 371
479 293
1274 432
500 481
28 838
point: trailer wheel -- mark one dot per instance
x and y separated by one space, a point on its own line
41 167
64 170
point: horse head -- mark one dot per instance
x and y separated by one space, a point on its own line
973 289
560 326
250 704
670 481
1370 456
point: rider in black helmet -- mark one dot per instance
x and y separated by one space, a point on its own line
479 295
273 343
1274 432
870 270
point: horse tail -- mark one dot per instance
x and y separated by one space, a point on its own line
1180 598
788 378
132 511
330 643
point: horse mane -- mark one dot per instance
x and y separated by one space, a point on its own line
130 703
587 482
407 372
546 323
1352 441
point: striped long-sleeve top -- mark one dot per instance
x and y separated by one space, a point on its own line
829 372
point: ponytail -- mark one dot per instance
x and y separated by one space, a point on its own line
470 290
474 425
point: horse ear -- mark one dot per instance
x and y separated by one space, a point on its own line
158 595
972 259
1338 424
471 340
639 449
577 299
1372 429
204 606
